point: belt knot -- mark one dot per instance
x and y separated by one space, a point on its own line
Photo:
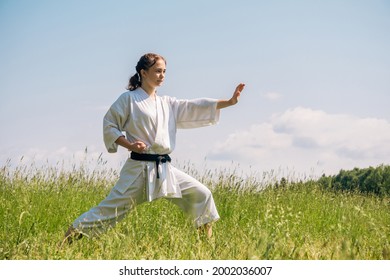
151 157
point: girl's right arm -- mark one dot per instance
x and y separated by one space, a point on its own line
138 146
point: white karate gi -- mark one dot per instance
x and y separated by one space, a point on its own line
154 122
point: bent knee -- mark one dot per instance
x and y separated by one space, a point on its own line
200 194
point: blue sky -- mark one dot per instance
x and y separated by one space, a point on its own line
316 72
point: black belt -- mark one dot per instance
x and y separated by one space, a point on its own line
150 157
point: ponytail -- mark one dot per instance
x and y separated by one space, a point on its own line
134 82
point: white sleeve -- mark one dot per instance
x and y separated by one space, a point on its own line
196 112
114 122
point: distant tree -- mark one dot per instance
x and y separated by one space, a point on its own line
367 180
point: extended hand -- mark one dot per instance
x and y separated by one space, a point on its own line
237 93
232 101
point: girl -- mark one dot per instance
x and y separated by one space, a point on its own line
150 122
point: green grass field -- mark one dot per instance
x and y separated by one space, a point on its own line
290 221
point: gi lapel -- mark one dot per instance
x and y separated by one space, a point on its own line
162 133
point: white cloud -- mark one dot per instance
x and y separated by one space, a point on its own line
298 142
309 142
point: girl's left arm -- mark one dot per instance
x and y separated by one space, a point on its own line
232 101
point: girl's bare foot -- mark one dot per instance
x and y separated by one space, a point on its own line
206 229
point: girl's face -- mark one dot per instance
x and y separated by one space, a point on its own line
155 75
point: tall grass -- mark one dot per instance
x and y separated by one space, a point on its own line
259 219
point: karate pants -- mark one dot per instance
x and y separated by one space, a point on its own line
197 201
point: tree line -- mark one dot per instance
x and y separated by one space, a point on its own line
374 180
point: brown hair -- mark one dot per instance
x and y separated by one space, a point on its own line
145 62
